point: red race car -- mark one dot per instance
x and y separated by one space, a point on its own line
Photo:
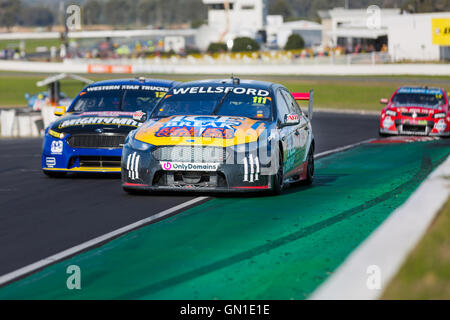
416 111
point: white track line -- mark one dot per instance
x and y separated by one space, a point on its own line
104 238
389 245
94 242
349 111
340 149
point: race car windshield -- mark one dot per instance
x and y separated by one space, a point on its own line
419 99
222 104
117 100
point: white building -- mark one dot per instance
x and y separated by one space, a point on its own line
310 31
228 19
411 38
348 26
406 36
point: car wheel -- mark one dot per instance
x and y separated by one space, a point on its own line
278 179
52 174
382 134
310 169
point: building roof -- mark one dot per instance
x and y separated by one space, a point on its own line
359 33
218 1
342 12
324 14
303 25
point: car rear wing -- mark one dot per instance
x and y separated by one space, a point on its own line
306 96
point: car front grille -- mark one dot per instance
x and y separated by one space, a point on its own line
102 141
411 129
197 154
99 161
189 179
418 115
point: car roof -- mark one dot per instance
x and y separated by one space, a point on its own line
218 82
153 82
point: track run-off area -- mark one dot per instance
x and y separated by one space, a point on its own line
227 247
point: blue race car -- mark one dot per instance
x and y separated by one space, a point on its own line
90 135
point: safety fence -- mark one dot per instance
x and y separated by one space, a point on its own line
219 68
21 123
255 58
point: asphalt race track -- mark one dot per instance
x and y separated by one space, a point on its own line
40 216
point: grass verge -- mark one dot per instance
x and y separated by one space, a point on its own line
360 93
426 272
14 88
30 44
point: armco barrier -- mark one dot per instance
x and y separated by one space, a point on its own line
48 115
296 69
18 123
28 124
8 123
80 66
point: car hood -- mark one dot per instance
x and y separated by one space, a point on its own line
95 122
222 131
416 109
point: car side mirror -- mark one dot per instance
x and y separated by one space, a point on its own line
140 116
291 119
59 111
384 101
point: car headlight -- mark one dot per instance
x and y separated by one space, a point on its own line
391 113
439 115
57 135
136 144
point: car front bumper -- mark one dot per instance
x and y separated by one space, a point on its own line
64 158
409 127
140 171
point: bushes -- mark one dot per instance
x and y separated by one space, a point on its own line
244 44
217 47
295 42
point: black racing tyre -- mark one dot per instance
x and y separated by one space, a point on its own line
382 134
310 169
278 179
53 174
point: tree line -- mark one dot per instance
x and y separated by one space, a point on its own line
159 13
164 13
308 8
14 12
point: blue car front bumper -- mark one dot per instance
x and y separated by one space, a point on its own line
59 156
